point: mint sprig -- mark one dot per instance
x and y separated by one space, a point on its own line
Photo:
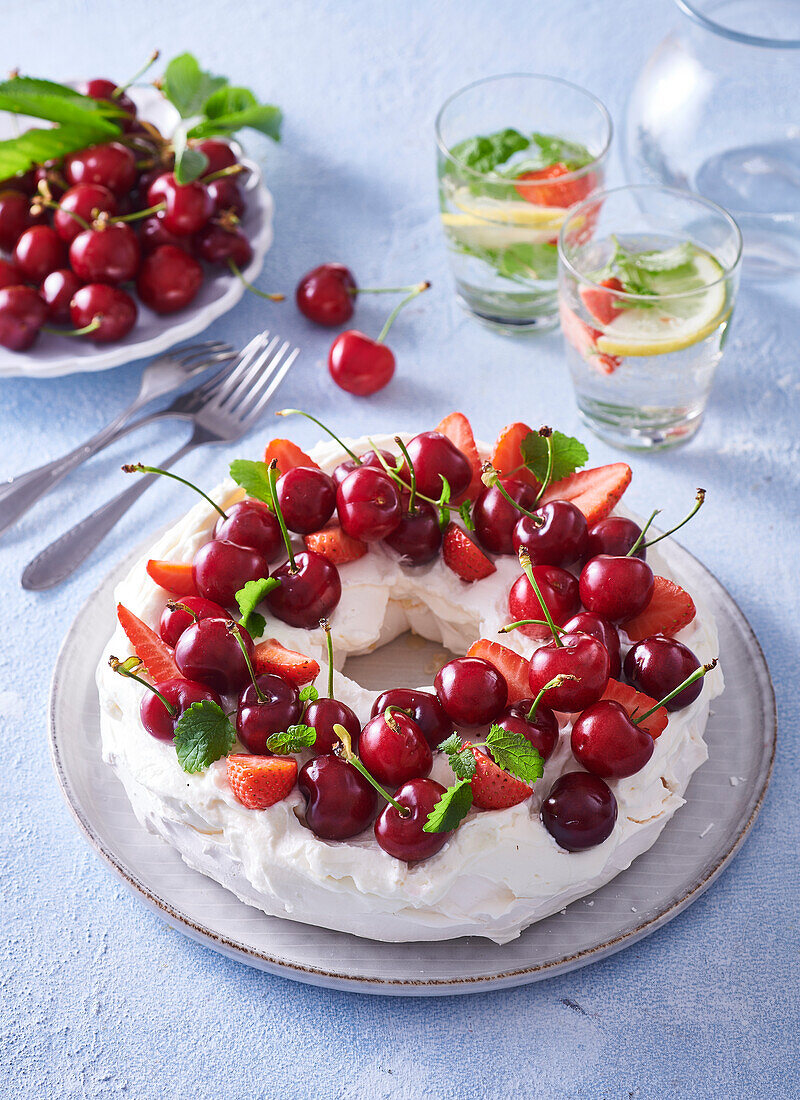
309 694
203 734
451 809
253 478
248 599
557 150
295 739
443 502
569 455
514 753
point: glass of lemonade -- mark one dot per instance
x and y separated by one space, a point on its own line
514 154
647 283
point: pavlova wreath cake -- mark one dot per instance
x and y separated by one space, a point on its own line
532 772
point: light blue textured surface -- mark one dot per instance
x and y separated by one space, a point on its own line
98 998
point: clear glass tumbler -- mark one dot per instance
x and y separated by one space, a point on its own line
514 153
647 283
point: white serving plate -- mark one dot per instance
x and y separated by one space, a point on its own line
52 356
723 800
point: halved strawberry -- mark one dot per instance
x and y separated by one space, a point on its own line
635 703
507 456
459 431
594 491
175 576
271 656
158 658
335 545
287 455
602 304
509 664
584 339
559 193
261 781
493 788
670 610
461 555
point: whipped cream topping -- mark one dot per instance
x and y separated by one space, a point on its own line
500 871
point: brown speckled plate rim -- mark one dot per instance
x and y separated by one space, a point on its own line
419 986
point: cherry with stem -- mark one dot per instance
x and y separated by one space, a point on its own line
130 668
345 750
527 569
699 500
140 468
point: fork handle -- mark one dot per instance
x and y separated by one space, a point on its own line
61 558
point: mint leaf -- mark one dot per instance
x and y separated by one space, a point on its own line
556 150
231 109
487 152
465 514
252 476
451 744
188 87
451 809
203 734
657 260
309 694
295 739
189 163
525 261
514 753
248 599
39 146
444 500
569 455
462 763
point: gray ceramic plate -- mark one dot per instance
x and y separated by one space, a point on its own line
723 800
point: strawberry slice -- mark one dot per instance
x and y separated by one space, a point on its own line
493 788
594 491
559 193
509 664
261 781
507 456
670 610
461 555
459 431
335 545
636 702
287 455
158 658
175 576
271 656
602 304
584 339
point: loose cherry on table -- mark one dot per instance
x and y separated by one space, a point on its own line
175 618
580 811
112 165
220 568
57 291
168 279
325 713
471 691
209 652
423 707
403 835
268 705
340 801
251 523
307 497
393 748
614 535
658 665
368 504
495 517
587 622
108 253
557 536
187 208
22 314
326 294
559 590
106 312
39 251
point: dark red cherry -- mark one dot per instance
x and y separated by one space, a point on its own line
307 497
220 568
226 195
368 504
393 749
323 715
112 307
471 691
327 294
306 594
112 165
434 457
359 364
560 540
616 588
541 730
57 292
369 458
423 707
9 276
418 536
188 206
586 622
614 535
495 519
181 694
87 200
103 89
39 251
15 217
209 652
580 811
24 183
220 154
578 655
404 836
218 244
340 802
658 665
174 620
153 233
251 523
169 279
108 254
560 591
257 718
607 743
22 314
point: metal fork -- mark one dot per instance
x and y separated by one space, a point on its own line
224 413
20 493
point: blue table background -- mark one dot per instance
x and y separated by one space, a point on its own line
98 998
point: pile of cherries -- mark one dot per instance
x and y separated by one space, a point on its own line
80 233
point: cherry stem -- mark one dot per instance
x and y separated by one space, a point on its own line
491 478
690 679
236 630
412 475
701 496
325 428
418 289
125 668
137 215
383 289
557 681
547 434
222 173
351 758
237 271
527 622
174 605
395 476
527 568
272 478
82 222
326 626
139 468
93 326
154 56
642 533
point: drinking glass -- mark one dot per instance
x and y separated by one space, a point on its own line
501 218
643 363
